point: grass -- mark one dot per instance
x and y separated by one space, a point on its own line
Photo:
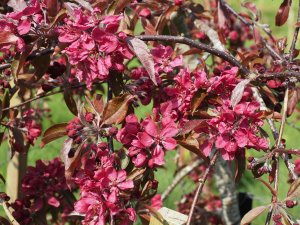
165 176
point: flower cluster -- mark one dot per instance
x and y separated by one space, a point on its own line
44 188
104 191
148 140
94 45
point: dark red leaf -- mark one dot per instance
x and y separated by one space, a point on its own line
116 109
70 102
283 12
53 133
293 101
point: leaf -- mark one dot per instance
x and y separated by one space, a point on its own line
59 16
17 5
85 4
192 145
52 8
41 65
294 190
283 13
192 125
121 4
4 221
238 92
98 104
240 168
136 174
7 37
53 133
173 217
292 102
197 100
70 102
252 214
116 109
142 52
221 17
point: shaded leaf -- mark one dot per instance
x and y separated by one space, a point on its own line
283 12
116 109
5 104
121 4
142 52
294 190
70 102
240 168
192 125
98 104
238 92
192 145
197 100
53 133
252 214
41 65
52 7
4 221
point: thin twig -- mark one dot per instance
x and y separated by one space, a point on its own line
41 96
45 51
179 177
183 40
109 97
296 32
201 185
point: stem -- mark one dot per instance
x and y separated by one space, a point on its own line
45 51
201 185
109 97
41 96
179 177
9 215
296 32
183 40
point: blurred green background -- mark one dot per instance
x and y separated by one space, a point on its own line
165 176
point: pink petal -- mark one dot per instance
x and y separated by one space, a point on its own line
150 127
140 159
126 185
24 27
53 201
169 143
145 139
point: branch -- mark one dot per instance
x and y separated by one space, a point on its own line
109 97
9 215
179 177
41 96
272 51
183 40
45 51
201 185
296 32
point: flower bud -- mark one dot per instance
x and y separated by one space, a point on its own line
290 203
89 117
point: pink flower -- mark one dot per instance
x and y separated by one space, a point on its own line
156 202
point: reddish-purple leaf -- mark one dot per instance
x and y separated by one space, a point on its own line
293 101
70 102
116 109
98 104
192 125
53 133
52 7
121 4
238 92
252 214
283 13
142 52
4 221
